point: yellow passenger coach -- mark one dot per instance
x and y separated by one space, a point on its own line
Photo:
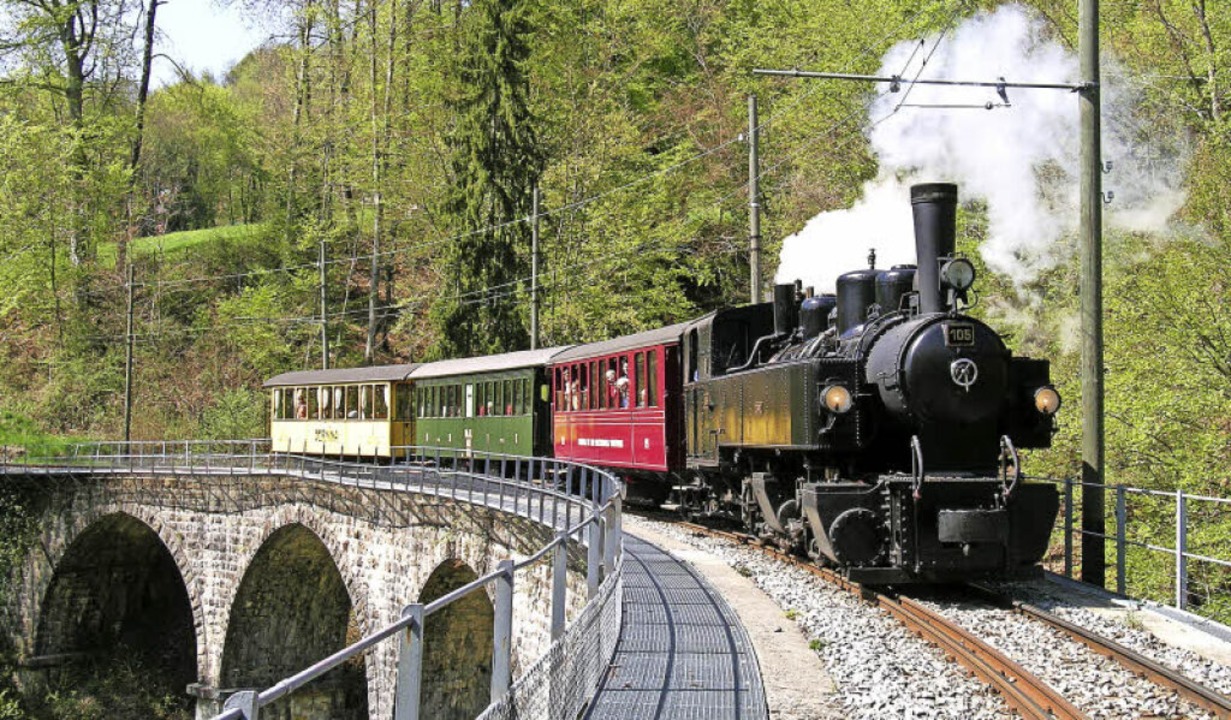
357 412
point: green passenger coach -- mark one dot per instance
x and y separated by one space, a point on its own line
496 404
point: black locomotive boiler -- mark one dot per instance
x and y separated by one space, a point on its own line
877 429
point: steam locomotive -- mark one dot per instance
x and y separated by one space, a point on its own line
876 429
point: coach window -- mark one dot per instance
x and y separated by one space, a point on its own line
380 402
313 409
352 402
365 402
637 382
578 371
519 397
651 379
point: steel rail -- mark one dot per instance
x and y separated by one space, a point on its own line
1022 690
1131 660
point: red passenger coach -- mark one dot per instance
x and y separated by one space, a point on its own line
616 404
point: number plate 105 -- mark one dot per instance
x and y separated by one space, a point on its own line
959 335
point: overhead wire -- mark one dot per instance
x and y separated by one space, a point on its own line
769 119
514 286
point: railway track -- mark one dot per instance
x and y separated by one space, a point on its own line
1131 660
1022 691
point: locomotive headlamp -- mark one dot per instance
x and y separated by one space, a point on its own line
836 399
1047 400
958 274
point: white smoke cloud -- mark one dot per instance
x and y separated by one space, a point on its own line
1021 160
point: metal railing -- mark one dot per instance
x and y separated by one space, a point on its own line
581 504
1190 532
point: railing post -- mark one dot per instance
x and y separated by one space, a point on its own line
502 635
1121 522
1068 527
1181 550
618 534
559 585
406 693
593 556
245 702
609 540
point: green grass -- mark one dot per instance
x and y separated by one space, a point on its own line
19 431
179 241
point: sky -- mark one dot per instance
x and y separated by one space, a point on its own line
203 35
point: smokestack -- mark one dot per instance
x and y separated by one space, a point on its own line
784 309
935 210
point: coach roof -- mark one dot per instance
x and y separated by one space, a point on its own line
649 338
378 373
487 363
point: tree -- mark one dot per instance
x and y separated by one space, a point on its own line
71 46
496 162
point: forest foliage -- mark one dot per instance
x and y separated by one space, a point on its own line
400 140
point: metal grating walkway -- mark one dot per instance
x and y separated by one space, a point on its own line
682 652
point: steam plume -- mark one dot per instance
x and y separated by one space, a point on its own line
1021 160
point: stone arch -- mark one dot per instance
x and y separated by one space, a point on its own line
312 519
118 590
457 647
292 608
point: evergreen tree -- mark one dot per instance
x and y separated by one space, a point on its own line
495 163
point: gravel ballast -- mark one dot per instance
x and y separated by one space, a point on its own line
883 670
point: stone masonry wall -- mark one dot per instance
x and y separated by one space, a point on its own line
385 545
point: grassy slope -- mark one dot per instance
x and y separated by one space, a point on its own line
18 431
177 241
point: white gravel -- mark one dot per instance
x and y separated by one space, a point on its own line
881 669
1052 598
1099 686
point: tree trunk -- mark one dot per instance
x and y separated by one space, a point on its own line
143 93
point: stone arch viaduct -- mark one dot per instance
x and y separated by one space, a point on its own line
234 581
